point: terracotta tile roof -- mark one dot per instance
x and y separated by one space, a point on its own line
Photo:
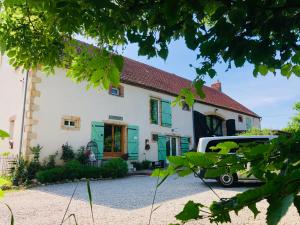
148 77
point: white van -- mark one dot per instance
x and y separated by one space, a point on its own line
228 180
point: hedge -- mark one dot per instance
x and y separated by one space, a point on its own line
114 168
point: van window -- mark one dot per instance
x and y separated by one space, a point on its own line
238 141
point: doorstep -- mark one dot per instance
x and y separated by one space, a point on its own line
141 172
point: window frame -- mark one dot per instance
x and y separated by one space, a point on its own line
69 120
240 118
113 153
119 89
158 110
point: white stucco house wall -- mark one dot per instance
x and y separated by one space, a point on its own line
135 118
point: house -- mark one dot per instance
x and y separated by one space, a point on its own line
135 118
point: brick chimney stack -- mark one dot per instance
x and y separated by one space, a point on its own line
217 86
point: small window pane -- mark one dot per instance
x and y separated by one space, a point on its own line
115 91
66 123
154 111
72 123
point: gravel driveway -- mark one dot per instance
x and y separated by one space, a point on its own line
124 201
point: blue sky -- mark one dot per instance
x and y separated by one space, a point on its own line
270 97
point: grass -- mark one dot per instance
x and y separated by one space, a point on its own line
5 181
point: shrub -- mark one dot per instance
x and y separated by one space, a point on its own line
115 168
137 165
32 168
51 175
67 152
51 161
36 152
70 171
73 169
5 183
81 156
19 173
146 164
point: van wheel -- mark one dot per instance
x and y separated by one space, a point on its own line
227 179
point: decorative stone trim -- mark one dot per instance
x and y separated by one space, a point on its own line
75 119
30 107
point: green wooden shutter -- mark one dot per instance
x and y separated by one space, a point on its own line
184 144
248 123
166 113
162 147
98 137
133 142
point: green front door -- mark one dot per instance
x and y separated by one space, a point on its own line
133 142
98 137
171 146
162 147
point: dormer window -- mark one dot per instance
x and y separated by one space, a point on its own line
117 91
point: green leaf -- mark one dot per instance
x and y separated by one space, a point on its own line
163 53
278 208
239 62
297 203
189 212
1 194
296 70
198 84
3 134
176 160
286 70
118 61
263 69
253 208
90 197
11 53
212 73
199 159
114 75
215 172
225 147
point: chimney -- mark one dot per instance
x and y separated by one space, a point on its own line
217 86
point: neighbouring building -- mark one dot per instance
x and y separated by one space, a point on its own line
135 118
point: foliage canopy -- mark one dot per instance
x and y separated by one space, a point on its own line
277 164
264 33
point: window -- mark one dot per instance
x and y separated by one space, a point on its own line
214 125
117 91
154 137
248 123
185 106
240 118
70 123
154 111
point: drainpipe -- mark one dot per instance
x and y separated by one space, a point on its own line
23 113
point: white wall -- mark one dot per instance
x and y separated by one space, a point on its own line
11 101
60 96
